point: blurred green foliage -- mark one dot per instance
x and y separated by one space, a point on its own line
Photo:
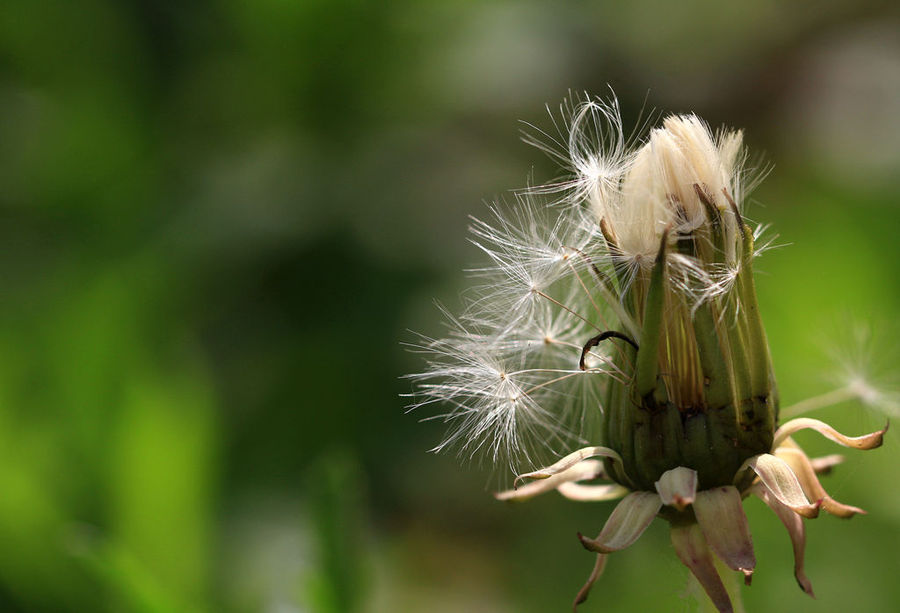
219 219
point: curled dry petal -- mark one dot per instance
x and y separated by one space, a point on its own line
796 530
781 482
584 470
692 551
867 441
582 595
724 524
590 493
821 465
626 523
677 487
569 461
813 489
824 464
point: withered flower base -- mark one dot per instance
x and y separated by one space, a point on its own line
709 519
650 250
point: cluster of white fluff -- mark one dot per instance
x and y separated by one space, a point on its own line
508 371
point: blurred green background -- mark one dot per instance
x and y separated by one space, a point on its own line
220 219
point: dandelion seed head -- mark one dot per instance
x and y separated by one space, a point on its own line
626 291
510 368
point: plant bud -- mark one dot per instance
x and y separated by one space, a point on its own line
697 391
